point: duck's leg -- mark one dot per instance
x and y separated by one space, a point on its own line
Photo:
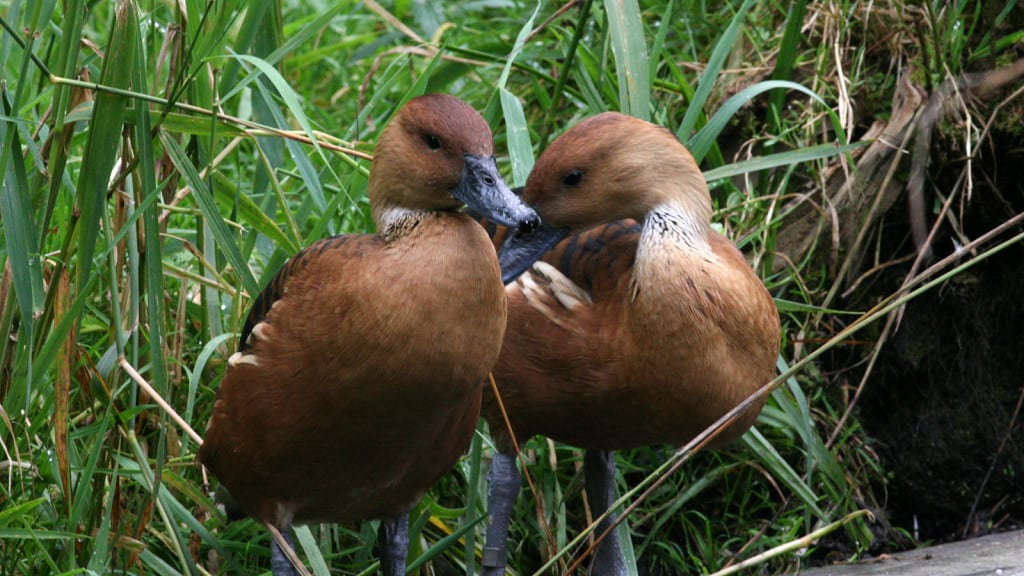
503 483
393 540
280 565
599 472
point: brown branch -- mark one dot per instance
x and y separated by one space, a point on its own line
863 198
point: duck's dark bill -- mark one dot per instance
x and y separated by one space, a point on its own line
485 193
523 248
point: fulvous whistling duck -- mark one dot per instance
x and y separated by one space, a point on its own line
358 378
635 332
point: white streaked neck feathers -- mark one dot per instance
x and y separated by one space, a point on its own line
396 221
668 233
669 223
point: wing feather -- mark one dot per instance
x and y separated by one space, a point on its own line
278 285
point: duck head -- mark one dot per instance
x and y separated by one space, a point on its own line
437 154
607 167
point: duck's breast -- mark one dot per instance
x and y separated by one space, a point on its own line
706 336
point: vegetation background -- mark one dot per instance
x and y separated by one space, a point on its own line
160 160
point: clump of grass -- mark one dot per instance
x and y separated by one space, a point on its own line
159 166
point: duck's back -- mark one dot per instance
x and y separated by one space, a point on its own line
641 363
411 328
557 373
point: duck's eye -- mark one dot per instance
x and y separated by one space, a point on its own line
572 178
432 141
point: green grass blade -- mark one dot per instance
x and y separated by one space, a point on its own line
19 229
790 306
83 500
74 12
672 513
787 57
190 125
228 198
179 522
419 87
261 20
48 352
225 240
294 106
99 560
524 33
819 457
703 140
763 451
197 372
475 488
442 545
157 565
143 142
553 103
588 68
707 79
104 135
18 510
520 150
30 534
719 175
659 40
309 546
631 60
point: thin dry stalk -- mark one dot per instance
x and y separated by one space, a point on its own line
793 545
289 552
163 404
62 389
